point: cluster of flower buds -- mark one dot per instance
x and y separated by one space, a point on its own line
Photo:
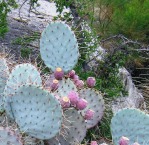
73 100
90 82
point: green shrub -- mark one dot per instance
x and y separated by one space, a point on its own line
5 7
130 18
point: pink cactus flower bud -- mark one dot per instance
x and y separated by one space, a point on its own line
59 73
89 114
71 74
65 102
76 77
74 97
79 83
54 85
81 104
135 143
94 143
91 82
124 141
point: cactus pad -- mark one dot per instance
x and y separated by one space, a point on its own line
4 72
36 111
65 86
21 75
9 137
74 131
131 123
95 103
59 47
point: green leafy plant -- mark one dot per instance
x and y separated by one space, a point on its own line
129 18
5 7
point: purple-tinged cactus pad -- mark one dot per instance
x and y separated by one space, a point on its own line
9 137
37 112
131 123
74 131
95 103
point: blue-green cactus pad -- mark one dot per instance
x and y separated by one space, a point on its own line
37 112
73 131
65 86
131 123
21 75
9 137
95 103
59 47
4 73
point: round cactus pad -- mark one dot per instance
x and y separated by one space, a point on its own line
9 137
74 129
36 111
59 47
21 75
131 123
95 103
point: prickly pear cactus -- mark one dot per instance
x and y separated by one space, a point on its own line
73 131
9 137
59 47
131 123
36 111
21 75
95 103
4 72
65 86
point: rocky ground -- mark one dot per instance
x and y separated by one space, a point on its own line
25 22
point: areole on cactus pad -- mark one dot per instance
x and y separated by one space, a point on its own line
59 47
